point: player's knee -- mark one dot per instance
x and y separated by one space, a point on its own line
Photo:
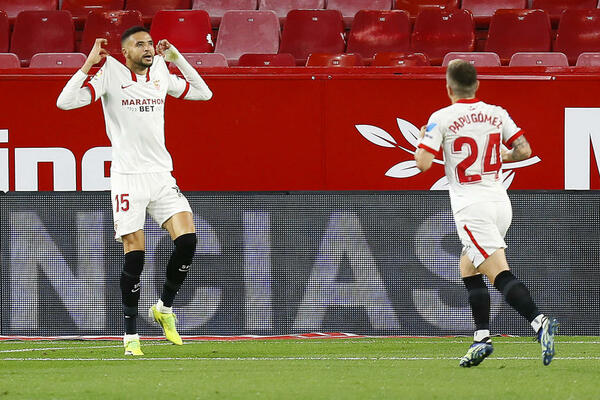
185 246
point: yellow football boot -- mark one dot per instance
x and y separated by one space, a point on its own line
167 322
132 346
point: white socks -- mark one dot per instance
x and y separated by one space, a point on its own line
536 324
129 338
161 308
481 334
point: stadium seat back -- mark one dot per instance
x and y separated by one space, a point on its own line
334 60
9 60
482 59
588 60
312 31
513 31
438 32
217 8
149 8
109 25
81 8
42 32
578 32
483 10
392 59
247 32
283 7
57 60
414 7
555 8
533 59
200 60
349 8
4 32
13 7
188 30
267 60
379 31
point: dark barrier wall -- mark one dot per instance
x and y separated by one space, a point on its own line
373 263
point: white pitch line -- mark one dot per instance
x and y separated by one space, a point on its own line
76 348
283 359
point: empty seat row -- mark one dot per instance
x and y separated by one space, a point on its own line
436 32
388 59
482 10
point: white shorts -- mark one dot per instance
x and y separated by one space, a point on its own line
134 194
482 227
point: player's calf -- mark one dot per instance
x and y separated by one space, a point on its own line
178 267
130 288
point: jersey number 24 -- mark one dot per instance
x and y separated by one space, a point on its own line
492 163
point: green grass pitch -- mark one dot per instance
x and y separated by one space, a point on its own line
355 368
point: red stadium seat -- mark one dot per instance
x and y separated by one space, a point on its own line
438 32
312 31
150 7
513 31
57 60
217 8
267 60
334 60
42 32
188 30
81 8
4 32
283 7
9 60
247 32
109 25
202 60
414 7
349 8
400 60
14 7
555 8
483 10
379 31
578 32
477 59
588 60
538 59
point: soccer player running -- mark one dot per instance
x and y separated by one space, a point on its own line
470 132
133 99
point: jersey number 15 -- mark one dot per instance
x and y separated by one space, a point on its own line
492 163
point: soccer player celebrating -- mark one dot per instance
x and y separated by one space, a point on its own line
133 99
470 132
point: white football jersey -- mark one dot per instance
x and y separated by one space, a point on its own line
471 132
134 107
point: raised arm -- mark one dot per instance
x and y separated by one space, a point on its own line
520 150
198 89
73 95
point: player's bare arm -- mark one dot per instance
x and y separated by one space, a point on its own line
520 150
423 158
97 54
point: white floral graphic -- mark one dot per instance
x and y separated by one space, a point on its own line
408 168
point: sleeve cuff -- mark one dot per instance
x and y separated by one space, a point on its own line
430 150
514 137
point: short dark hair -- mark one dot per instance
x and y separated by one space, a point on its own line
133 30
462 77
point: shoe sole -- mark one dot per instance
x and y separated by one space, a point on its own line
479 357
548 347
